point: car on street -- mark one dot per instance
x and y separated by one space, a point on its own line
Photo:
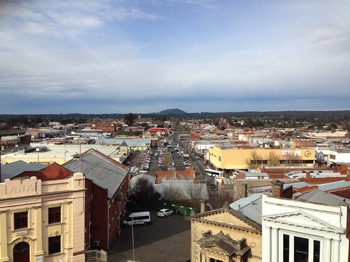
164 212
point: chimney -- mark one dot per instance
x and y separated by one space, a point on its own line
203 204
277 188
245 190
308 175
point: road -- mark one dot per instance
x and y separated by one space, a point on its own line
166 239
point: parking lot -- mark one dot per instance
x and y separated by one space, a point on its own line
166 239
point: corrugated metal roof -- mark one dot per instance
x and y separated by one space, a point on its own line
319 197
131 142
13 169
250 206
334 185
102 172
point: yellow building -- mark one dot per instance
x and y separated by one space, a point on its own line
42 221
228 158
225 235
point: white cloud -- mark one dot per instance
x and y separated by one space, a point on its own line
81 49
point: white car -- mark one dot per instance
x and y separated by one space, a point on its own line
165 212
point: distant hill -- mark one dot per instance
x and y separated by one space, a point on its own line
174 111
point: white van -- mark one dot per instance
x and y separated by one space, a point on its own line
138 218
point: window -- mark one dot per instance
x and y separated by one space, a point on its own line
301 249
317 250
54 244
298 249
21 220
285 248
54 215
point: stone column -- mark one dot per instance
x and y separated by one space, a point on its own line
274 245
335 250
3 237
327 250
38 231
266 244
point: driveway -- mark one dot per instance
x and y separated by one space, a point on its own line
165 240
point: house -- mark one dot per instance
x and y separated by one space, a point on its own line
42 220
109 187
225 235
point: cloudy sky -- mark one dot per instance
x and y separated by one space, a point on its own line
143 56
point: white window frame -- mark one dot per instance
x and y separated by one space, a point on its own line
291 235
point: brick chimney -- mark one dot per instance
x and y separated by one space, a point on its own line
277 188
308 177
278 191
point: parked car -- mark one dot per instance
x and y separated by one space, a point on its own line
165 212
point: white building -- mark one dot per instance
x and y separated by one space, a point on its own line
303 231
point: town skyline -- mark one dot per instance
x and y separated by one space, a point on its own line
102 57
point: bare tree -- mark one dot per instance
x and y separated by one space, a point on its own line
173 193
254 160
274 160
196 193
294 159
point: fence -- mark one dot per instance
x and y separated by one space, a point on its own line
178 209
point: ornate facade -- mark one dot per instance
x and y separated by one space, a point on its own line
225 235
42 221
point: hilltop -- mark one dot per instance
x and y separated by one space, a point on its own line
174 111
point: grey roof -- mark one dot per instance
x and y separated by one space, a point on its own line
131 142
13 169
317 196
334 185
250 206
286 185
124 144
106 173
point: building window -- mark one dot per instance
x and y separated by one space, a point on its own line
285 248
301 249
54 215
54 244
317 245
298 249
21 220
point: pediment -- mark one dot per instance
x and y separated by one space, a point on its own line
304 220
227 218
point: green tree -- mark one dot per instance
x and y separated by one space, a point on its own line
129 119
144 193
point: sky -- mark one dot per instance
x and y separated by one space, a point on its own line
145 56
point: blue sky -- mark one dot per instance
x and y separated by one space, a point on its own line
143 56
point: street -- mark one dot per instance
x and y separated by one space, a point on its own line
166 239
